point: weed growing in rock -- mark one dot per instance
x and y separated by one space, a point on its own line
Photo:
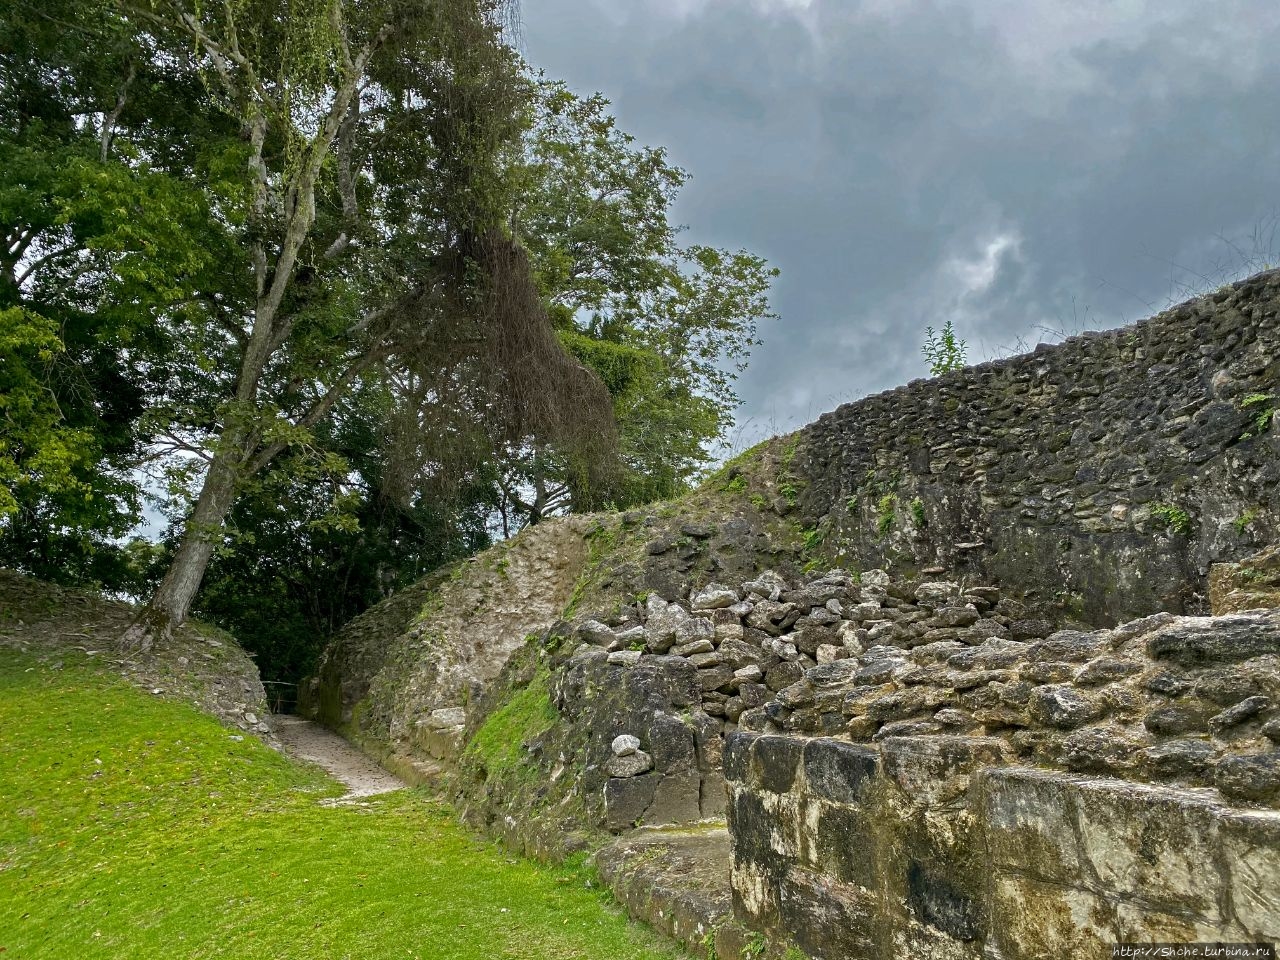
1243 522
886 514
1175 519
917 514
943 351
1261 407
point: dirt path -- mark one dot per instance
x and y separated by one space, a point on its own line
310 741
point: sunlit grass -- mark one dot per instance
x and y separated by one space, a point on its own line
135 827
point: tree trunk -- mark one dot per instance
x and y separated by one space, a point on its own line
172 600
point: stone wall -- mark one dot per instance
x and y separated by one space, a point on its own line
398 677
929 847
1102 475
1192 701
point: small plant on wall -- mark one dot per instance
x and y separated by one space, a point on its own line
943 351
1175 519
1261 408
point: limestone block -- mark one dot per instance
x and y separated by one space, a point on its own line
828 919
1205 641
1032 920
1152 843
840 772
933 769
625 801
1029 820
1251 851
677 799
737 755
775 761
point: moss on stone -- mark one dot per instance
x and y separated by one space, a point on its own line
498 746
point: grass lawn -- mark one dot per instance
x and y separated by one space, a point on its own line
131 826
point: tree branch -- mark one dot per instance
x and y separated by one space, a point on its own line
109 121
41 261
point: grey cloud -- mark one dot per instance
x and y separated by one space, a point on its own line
874 151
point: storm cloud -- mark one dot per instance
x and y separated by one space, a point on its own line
1025 169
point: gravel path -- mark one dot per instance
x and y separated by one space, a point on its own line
310 741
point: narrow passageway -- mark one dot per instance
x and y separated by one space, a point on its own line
309 741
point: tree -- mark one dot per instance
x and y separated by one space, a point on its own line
350 162
667 327
91 246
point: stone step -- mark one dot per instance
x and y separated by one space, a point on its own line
677 881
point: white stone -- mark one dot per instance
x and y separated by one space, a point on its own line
625 744
714 596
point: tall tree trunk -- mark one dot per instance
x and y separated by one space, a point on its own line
171 603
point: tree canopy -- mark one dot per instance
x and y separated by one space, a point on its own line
334 285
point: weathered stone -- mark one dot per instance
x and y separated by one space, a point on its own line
754 694
1157 840
775 761
1098 750
838 771
767 584
715 677
1271 729
629 765
1252 777
661 624
625 801
1249 585
830 653
596 633
956 616
1070 646
826 921
1241 712
739 653
1227 687
677 799
1169 684
1061 707
701 645
624 744
936 593
1251 849
630 637
714 596
1200 641
796 695
692 629
1179 758
1175 720
671 743
1107 670
625 658
783 675
1030 629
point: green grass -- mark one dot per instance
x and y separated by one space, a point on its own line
132 826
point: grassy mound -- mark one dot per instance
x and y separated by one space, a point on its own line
135 826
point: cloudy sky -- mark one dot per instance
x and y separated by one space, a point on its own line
1025 168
